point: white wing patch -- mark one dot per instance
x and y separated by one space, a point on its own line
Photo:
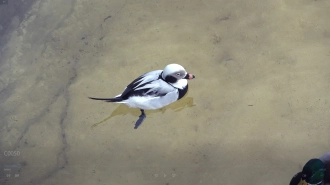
148 77
159 87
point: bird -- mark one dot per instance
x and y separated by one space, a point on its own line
315 172
154 90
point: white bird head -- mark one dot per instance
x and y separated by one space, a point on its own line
172 73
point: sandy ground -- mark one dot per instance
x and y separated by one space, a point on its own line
256 112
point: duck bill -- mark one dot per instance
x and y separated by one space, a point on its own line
189 76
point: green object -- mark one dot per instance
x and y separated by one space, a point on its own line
313 171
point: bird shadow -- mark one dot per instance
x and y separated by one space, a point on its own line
123 109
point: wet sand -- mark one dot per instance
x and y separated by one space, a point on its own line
256 112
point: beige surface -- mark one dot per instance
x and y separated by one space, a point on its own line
256 112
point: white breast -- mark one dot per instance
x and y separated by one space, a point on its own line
150 102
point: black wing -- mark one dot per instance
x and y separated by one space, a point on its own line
136 88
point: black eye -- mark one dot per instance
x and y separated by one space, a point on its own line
178 74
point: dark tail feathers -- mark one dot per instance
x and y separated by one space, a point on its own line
117 99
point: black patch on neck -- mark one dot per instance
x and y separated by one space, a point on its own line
161 76
170 79
183 92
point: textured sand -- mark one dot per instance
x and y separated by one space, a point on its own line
256 112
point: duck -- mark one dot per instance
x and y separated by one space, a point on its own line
315 172
154 90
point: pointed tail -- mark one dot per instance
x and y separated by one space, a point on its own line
116 99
